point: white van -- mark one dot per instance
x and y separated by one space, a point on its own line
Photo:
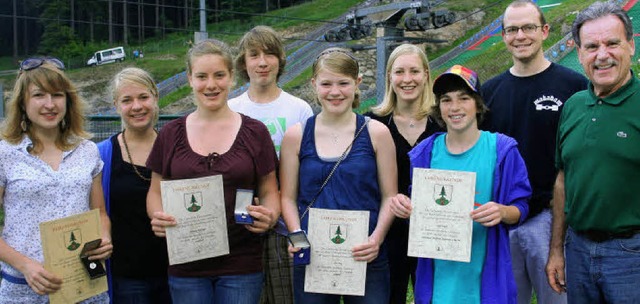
107 56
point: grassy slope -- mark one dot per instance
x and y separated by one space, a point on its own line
165 58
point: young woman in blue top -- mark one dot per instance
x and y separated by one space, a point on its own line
138 269
502 190
364 180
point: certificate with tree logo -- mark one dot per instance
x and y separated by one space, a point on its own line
440 226
198 207
62 242
332 234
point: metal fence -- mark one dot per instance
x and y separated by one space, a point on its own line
103 126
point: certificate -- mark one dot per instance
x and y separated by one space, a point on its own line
332 234
62 242
198 207
440 226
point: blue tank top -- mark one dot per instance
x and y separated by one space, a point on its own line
353 186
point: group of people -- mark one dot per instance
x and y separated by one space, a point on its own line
553 153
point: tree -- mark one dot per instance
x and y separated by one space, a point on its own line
15 31
338 239
442 200
111 22
125 27
194 207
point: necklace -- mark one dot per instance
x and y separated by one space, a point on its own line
412 123
334 136
126 148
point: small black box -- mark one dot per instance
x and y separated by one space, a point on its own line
95 267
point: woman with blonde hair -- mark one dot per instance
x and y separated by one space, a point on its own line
405 111
364 176
48 170
138 269
214 140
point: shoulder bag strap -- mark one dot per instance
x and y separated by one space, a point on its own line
333 170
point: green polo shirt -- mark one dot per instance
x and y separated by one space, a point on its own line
598 147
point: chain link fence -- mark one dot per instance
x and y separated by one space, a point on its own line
103 126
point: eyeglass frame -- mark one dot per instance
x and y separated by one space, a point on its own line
513 30
40 61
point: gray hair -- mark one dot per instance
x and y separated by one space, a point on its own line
598 10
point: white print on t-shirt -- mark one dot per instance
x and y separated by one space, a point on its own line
547 103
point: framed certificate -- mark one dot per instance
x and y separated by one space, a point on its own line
440 226
198 207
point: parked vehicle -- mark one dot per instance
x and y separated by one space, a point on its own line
107 56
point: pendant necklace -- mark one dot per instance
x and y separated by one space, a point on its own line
126 148
334 136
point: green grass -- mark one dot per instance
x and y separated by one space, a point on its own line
496 58
174 96
299 80
6 63
230 32
463 8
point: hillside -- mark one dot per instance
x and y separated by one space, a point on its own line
166 58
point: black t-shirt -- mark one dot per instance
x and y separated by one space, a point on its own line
403 147
528 109
137 252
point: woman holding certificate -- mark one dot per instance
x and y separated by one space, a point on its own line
405 111
214 141
339 160
501 193
139 266
48 170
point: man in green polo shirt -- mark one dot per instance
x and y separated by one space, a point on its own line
598 157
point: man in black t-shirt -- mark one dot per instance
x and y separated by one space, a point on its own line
525 103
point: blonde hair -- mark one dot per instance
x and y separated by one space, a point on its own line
339 61
139 77
260 38
210 47
390 101
50 79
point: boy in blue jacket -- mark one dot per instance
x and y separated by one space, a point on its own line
502 191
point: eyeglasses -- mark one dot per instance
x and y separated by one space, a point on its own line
35 62
526 29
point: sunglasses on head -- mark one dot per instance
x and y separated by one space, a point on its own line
32 63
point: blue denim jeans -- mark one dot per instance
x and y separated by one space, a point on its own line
237 289
529 254
141 291
602 272
376 288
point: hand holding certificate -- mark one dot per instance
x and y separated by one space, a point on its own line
332 234
198 207
62 241
440 226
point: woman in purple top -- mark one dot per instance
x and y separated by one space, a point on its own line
214 140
